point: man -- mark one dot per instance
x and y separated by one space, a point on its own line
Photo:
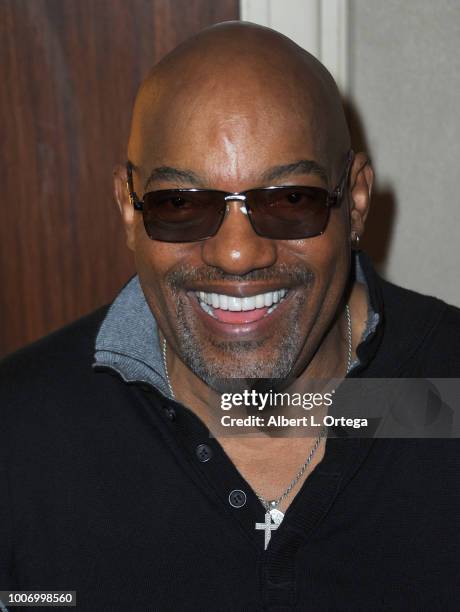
113 486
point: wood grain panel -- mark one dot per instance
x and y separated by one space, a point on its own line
70 70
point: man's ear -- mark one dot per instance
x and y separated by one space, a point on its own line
361 181
124 204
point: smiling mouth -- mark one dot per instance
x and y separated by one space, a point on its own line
237 310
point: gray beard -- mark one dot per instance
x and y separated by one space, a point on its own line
241 355
245 371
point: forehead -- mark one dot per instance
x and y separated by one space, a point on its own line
234 130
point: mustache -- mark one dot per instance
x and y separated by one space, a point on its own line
188 275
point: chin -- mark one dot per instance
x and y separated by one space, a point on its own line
223 364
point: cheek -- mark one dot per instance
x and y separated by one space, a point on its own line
154 260
149 257
327 255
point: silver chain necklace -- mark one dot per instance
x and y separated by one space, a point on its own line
273 516
165 364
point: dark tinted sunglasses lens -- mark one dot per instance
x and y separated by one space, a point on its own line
289 213
175 216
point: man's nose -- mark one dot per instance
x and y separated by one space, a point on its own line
236 248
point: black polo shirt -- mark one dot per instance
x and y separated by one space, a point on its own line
114 490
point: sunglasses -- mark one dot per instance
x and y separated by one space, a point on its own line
279 213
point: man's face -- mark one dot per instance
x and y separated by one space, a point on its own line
231 143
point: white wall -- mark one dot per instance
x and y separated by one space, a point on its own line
399 64
405 80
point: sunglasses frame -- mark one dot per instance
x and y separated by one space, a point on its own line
333 198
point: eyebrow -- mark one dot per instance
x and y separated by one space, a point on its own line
303 166
167 173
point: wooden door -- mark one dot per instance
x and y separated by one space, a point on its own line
70 70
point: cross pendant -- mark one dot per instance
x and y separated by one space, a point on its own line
268 526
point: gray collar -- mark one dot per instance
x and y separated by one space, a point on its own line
128 340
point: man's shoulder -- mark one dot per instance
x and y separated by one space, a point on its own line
424 325
52 361
407 300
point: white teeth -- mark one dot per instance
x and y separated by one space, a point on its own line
223 302
249 303
271 299
234 303
260 300
206 308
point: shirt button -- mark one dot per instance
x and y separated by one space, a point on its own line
170 414
203 452
237 498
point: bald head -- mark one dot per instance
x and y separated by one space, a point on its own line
234 84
